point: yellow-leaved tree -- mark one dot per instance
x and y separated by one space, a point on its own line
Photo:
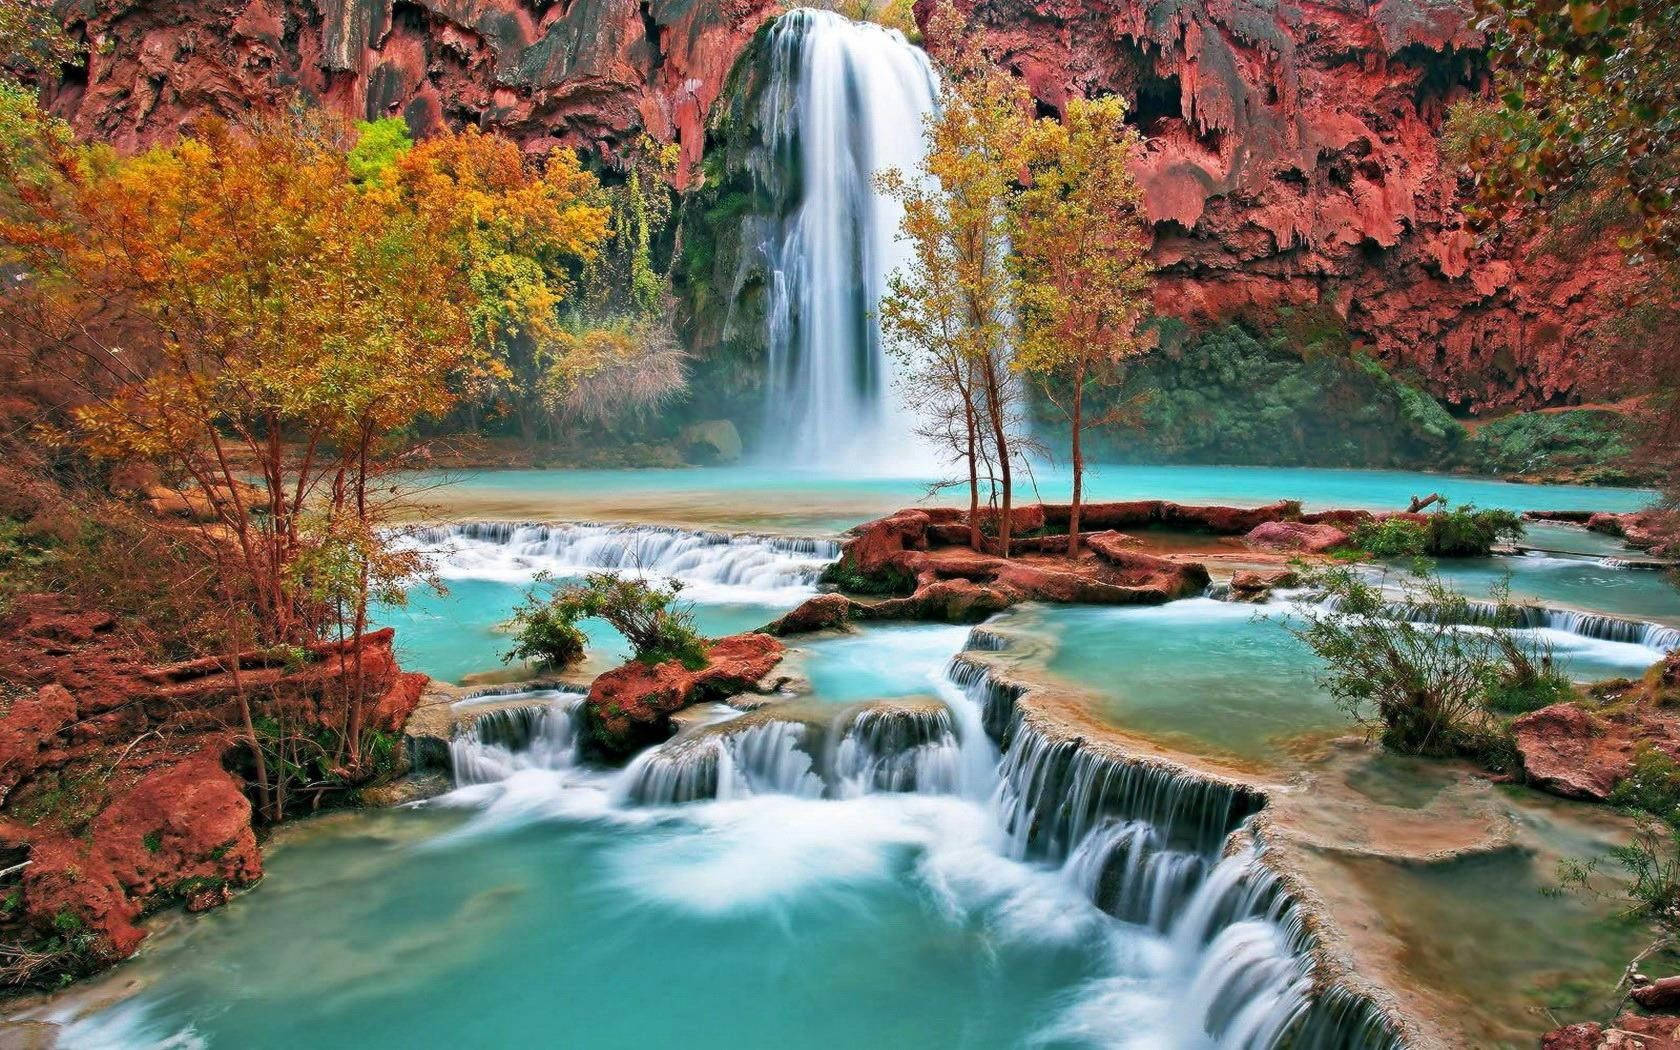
1081 244
946 313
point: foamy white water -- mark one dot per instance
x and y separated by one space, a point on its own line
715 567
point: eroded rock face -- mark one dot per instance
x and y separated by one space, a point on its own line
1570 751
1293 158
596 73
112 781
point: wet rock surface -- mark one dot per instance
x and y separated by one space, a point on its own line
1580 754
1627 1032
632 706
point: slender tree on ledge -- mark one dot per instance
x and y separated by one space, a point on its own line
948 311
1081 242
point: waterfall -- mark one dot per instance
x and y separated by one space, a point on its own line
1151 844
1655 636
897 750
846 100
766 757
712 565
504 740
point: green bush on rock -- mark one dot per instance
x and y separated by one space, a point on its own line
1402 663
647 615
1463 532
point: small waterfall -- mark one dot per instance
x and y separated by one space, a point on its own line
845 101
502 741
763 757
1656 636
731 564
983 640
1126 870
898 750
1054 792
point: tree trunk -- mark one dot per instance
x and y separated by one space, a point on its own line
1078 462
264 804
1000 436
975 540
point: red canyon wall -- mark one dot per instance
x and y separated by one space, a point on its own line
1292 146
594 73
1293 157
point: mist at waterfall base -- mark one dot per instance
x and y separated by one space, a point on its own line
543 909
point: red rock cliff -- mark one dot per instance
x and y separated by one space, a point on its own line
592 73
1292 146
1293 157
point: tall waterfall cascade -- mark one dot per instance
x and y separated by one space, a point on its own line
846 101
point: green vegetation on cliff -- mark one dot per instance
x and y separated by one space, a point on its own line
1588 445
1291 393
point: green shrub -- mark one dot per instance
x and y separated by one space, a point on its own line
545 634
1390 538
646 614
892 581
1463 532
1593 444
1402 664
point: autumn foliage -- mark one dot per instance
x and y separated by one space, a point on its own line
264 313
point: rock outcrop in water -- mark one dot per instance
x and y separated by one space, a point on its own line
113 790
1573 751
631 707
921 560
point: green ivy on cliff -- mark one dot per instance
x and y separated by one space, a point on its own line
1293 392
1587 445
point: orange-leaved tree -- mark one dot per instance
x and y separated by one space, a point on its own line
269 325
1081 245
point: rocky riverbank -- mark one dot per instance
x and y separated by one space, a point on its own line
120 790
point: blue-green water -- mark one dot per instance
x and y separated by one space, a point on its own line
803 501
1579 583
775 922
1226 676
880 662
459 633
